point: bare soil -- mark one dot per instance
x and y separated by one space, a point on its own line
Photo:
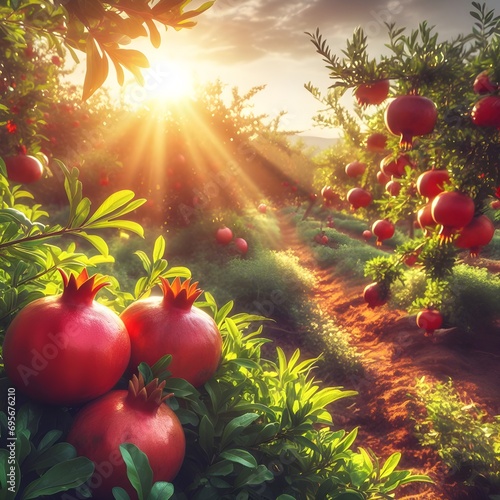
394 353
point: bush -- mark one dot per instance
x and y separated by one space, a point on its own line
459 431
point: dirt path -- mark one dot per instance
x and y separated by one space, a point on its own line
394 354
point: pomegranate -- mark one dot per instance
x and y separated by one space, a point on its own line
383 230
495 204
173 325
478 233
375 294
483 85
355 168
23 168
425 220
367 234
224 235
409 116
395 167
262 208
486 112
382 178
358 198
372 93
376 142
241 245
67 349
431 183
393 187
452 210
429 320
138 416
328 193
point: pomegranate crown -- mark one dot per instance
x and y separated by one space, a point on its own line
81 288
181 295
146 395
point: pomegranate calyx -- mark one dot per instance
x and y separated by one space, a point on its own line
180 295
81 288
148 396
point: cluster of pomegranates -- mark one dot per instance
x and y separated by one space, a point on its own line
81 349
224 236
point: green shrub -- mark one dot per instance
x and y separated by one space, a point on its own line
467 442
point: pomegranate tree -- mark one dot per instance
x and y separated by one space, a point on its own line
139 416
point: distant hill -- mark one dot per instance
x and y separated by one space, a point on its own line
318 143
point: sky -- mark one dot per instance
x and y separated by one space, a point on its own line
248 43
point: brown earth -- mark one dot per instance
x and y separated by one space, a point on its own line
394 353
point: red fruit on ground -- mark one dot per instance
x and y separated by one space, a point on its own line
429 320
375 295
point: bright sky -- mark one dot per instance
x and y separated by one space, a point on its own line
247 43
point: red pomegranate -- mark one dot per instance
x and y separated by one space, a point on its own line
395 167
367 234
452 210
262 208
241 245
224 235
382 178
393 187
409 116
23 168
486 112
431 183
495 204
358 198
478 233
328 193
355 168
383 229
429 320
376 142
425 220
375 294
138 416
483 85
372 93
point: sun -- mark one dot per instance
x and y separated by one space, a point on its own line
165 82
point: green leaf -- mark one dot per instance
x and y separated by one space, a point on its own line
56 454
97 68
390 464
239 456
236 427
161 491
81 213
154 34
61 477
13 215
120 494
139 471
255 476
221 468
96 241
159 248
49 439
111 205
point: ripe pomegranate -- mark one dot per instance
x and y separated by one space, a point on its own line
262 208
376 142
355 168
425 220
328 193
495 204
452 210
382 178
431 183
429 320
394 167
478 233
383 230
372 93
393 187
367 234
224 235
173 325
486 112
411 259
23 168
375 294
483 85
409 116
139 416
67 349
241 245
358 198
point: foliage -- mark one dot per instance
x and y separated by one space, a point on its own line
467 442
98 29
